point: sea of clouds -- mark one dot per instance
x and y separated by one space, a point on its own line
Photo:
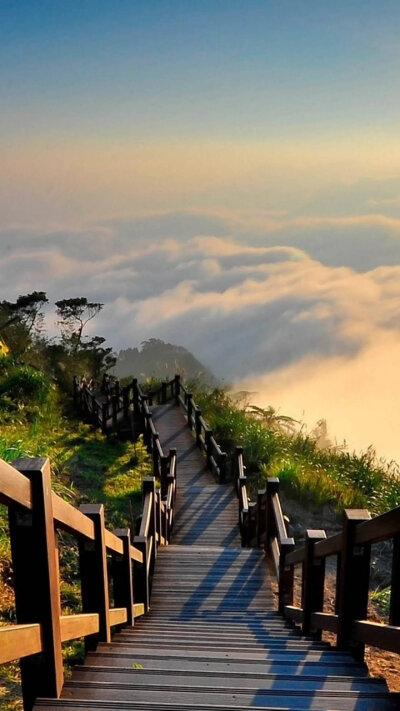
303 312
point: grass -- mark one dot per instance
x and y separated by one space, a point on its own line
274 448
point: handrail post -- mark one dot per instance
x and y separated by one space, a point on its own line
190 410
222 465
158 528
177 387
141 578
122 574
156 457
163 393
197 415
271 488
163 475
354 582
207 440
252 534
261 514
286 574
36 581
313 579
394 614
149 487
94 576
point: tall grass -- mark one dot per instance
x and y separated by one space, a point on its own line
318 476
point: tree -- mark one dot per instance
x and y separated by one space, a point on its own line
73 315
22 320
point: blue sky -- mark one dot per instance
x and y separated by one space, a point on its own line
247 69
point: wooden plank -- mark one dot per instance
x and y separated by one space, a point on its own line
74 626
136 554
71 519
379 528
324 621
293 613
295 557
138 609
15 488
278 516
113 543
330 546
146 517
118 615
17 641
383 636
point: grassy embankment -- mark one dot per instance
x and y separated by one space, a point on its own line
36 420
315 476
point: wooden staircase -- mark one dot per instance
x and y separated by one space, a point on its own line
213 638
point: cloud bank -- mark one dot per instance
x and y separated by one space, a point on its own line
304 311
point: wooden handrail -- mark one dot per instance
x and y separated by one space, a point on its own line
25 487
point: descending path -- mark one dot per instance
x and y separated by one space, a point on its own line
212 639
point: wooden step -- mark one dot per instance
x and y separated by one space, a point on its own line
206 697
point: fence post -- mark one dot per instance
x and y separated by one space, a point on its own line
158 529
141 577
190 410
163 393
149 486
36 581
222 463
197 415
94 576
286 574
207 442
261 516
177 388
252 535
163 475
313 579
122 575
354 582
156 462
271 488
394 614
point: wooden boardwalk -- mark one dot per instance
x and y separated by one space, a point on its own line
206 512
213 639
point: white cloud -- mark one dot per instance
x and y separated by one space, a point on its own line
271 310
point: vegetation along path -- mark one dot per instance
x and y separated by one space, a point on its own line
213 638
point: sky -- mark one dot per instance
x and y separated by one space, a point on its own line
222 174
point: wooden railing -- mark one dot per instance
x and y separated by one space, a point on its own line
217 460
106 559
262 523
132 402
102 402
352 549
